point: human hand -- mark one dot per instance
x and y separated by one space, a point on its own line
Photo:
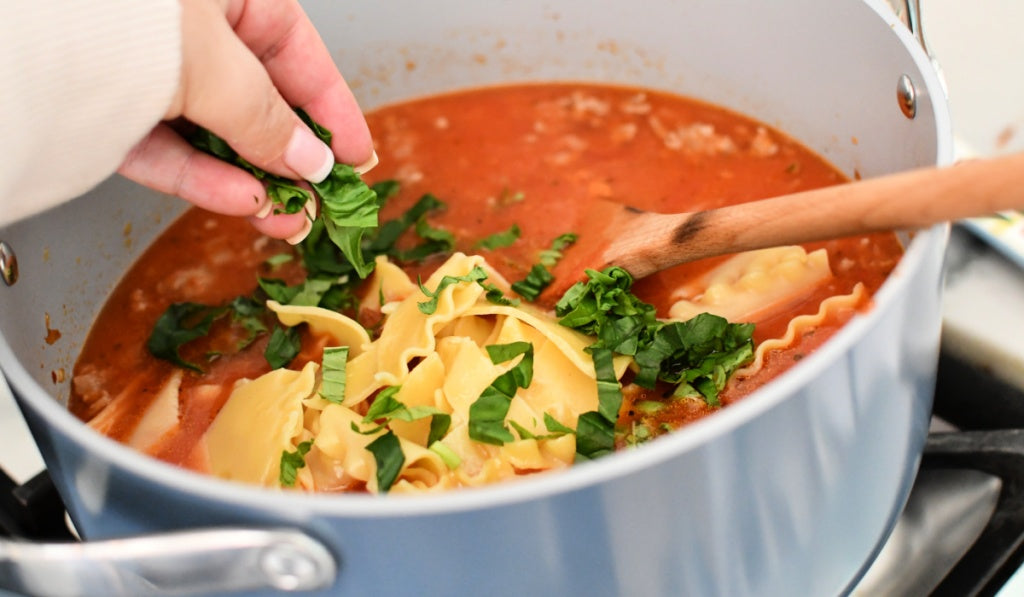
244 64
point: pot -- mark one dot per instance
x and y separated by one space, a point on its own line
788 492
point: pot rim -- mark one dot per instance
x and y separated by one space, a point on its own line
577 477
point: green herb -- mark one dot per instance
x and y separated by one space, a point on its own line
291 462
387 453
275 261
249 314
534 283
332 386
180 324
595 430
550 257
386 407
430 306
448 456
539 276
499 240
487 414
284 346
495 296
348 206
697 356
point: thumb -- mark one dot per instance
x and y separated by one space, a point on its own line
226 89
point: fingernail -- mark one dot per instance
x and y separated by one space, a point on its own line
265 210
367 165
308 156
310 207
299 236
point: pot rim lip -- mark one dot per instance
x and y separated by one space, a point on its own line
577 477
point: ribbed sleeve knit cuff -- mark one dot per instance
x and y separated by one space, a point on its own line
80 84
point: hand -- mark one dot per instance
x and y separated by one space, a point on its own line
244 64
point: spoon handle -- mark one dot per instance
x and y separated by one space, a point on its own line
906 200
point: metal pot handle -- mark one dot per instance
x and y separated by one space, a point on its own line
180 563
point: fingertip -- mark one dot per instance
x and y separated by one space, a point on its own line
283 226
307 155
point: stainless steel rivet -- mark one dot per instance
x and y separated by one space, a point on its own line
906 95
8 264
289 569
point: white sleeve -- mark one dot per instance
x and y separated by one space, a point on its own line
80 84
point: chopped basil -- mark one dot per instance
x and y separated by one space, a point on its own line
387 453
487 414
332 386
495 296
180 324
701 353
280 259
539 276
499 240
249 314
550 257
386 407
348 207
284 346
447 455
595 430
291 462
430 306
534 283
697 356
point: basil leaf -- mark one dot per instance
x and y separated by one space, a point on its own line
550 257
495 296
291 462
595 430
322 133
499 240
180 324
332 385
534 283
448 456
348 207
487 414
387 453
430 306
284 346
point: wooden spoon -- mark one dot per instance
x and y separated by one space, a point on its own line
643 242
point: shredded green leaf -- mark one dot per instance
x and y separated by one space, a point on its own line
332 387
387 453
348 207
534 283
428 307
448 456
595 430
550 257
499 240
487 414
291 462
284 345
180 324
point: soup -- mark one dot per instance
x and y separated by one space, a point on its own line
443 369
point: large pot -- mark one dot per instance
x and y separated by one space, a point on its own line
789 492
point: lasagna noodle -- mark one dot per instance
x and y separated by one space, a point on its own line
271 404
801 324
753 285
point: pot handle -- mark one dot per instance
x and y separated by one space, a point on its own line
180 563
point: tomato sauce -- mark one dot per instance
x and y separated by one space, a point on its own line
533 156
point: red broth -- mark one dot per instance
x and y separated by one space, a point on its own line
527 155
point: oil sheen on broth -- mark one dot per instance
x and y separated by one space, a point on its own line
525 156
